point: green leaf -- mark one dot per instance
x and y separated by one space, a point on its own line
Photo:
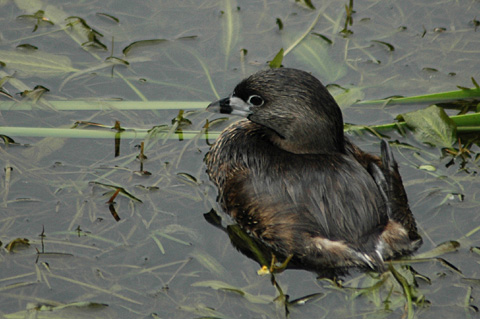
307 3
465 93
5 80
210 263
81 304
280 24
324 38
231 27
220 285
303 300
108 16
122 190
390 47
141 43
349 97
277 60
475 83
432 126
441 249
37 63
315 53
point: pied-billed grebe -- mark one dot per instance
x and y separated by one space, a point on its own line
292 180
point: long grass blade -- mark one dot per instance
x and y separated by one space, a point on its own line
96 105
435 97
465 123
82 133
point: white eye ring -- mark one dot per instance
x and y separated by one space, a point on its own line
255 100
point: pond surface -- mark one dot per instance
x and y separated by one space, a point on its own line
153 254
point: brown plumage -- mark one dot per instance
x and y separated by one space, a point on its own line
291 179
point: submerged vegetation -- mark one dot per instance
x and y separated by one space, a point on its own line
103 193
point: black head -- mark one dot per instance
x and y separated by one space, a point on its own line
299 111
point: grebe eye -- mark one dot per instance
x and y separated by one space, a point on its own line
255 100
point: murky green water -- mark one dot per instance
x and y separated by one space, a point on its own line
162 258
